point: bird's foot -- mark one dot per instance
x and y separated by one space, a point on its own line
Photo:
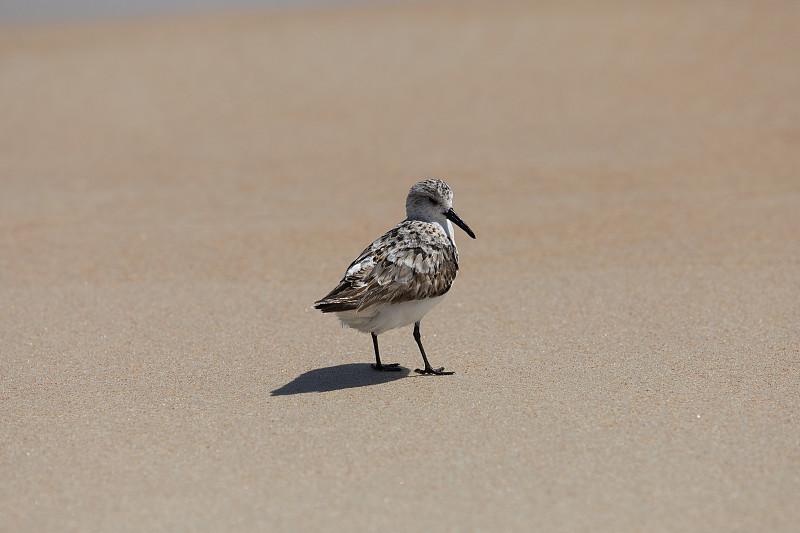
390 367
435 371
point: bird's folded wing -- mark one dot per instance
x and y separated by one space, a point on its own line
400 266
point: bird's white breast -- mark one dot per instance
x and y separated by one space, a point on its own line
383 317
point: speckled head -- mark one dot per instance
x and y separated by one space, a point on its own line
431 200
428 199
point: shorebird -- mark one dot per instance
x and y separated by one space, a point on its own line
401 276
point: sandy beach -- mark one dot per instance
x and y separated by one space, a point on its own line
176 192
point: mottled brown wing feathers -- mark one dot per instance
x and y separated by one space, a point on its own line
413 261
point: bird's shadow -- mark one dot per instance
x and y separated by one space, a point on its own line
338 377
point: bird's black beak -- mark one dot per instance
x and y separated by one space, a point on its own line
455 219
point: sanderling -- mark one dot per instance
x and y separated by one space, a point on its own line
404 274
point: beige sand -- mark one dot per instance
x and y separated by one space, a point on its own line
175 194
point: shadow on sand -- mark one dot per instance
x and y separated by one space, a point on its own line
338 377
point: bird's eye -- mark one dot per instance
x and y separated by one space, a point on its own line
432 201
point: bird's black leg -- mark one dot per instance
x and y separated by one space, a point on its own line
428 368
391 367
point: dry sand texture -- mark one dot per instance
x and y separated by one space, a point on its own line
175 193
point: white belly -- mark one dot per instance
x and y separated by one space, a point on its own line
383 317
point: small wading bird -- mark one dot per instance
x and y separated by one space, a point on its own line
404 274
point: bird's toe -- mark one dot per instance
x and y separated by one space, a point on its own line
434 371
389 367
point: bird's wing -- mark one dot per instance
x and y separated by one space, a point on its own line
413 261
